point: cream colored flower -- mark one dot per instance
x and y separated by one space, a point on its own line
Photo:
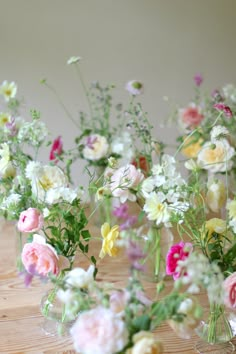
145 343
110 236
96 147
6 167
216 195
46 181
216 157
4 118
102 193
8 90
156 209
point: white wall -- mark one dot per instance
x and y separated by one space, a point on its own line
161 42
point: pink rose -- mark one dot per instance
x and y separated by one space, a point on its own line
177 252
56 149
124 181
99 331
230 291
40 257
30 220
191 116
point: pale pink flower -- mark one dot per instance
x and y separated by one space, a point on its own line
124 182
99 331
178 252
56 149
40 256
230 291
30 220
191 116
118 300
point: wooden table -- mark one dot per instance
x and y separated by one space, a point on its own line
20 317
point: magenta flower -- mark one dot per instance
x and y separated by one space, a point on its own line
178 252
222 107
56 149
198 79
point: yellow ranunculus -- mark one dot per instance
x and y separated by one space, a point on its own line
216 195
110 236
215 225
191 147
145 343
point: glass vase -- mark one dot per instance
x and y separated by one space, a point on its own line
155 244
56 321
215 332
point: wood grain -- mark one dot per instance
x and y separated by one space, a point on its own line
20 319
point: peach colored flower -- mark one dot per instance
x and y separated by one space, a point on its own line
40 257
99 331
191 116
145 343
118 300
216 157
229 286
191 147
124 181
30 220
216 195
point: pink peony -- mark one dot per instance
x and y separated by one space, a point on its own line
56 149
230 291
40 257
124 181
30 220
99 331
178 251
191 116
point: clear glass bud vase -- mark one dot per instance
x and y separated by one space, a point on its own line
56 320
215 332
155 245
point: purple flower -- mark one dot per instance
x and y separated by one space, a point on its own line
222 107
11 126
131 220
121 211
135 254
198 79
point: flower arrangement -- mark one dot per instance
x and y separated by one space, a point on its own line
39 196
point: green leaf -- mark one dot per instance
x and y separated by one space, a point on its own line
142 322
86 235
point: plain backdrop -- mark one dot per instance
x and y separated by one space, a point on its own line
163 43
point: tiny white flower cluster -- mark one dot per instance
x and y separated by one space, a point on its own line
33 132
164 192
229 92
197 272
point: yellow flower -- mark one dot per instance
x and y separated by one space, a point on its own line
216 195
191 147
231 207
145 343
215 225
110 236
